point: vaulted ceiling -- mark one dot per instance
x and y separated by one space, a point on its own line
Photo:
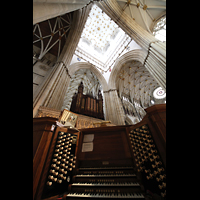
144 12
101 40
50 35
136 82
134 79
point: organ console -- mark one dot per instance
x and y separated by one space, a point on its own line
100 163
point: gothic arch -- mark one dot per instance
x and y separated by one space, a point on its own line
154 49
137 54
83 65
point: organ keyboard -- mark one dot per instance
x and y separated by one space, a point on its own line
107 195
125 162
106 175
107 184
102 183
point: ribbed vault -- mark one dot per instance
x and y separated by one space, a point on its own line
131 78
137 55
135 81
144 12
92 79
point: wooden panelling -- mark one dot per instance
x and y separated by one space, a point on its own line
44 141
141 146
156 120
157 115
109 144
87 104
42 136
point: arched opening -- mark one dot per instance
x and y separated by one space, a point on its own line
84 94
85 91
135 86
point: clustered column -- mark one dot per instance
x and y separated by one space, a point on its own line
55 86
45 95
55 96
114 110
155 60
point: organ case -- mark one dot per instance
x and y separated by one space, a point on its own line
54 159
87 104
119 162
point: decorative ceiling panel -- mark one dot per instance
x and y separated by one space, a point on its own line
135 81
102 40
144 12
50 35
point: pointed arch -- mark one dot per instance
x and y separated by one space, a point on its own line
83 65
137 54
155 50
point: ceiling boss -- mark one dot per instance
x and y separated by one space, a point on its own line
101 27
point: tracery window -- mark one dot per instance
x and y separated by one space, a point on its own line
159 93
159 30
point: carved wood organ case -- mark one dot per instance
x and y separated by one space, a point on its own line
87 104
116 162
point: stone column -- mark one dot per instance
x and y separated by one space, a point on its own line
54 98
52 93
106 106
156 62
46 95
155 50
113 108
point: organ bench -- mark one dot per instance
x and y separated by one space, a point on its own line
100 163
